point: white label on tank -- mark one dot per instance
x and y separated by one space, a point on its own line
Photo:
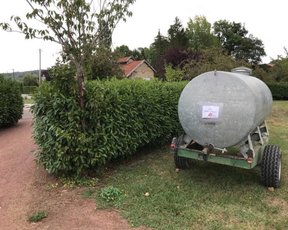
210 111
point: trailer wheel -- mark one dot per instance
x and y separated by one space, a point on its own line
271 166
181 162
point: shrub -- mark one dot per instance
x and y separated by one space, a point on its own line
279 90
110 193
30 80
120 117
172 74
11 103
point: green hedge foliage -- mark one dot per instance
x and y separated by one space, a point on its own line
120 117
279 90
11 102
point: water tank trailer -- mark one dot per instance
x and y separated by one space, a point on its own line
223 115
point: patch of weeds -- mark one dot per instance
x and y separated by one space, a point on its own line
72 182
37 216
52 186
110 193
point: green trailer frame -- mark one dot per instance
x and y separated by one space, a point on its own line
227 159
250 153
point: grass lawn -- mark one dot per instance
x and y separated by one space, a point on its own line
208 196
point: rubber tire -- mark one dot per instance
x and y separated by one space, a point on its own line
271 166
181 162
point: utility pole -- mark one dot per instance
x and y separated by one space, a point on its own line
39 67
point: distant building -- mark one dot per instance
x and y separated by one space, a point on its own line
45 76
136 69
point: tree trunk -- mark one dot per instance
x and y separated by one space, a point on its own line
81 91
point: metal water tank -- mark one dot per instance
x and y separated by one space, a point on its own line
222 108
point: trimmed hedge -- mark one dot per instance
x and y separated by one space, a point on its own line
11 103
279 90
120 117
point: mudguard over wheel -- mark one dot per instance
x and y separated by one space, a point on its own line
271 166
181 162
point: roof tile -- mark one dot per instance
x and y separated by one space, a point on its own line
130 67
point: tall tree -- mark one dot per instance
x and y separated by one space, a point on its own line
235 40
122 51
140 53
158 49
160 44
75 26
200 35
105 34
176 35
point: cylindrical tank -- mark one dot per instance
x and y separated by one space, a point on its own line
222 108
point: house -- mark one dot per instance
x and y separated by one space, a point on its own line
136 69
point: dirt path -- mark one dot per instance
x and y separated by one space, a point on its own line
24 190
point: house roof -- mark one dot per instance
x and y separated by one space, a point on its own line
124 60
128 65
129 68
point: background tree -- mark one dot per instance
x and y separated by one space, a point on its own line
103 65
209 60
262 72
105 34
279 70
30 80
137 54
158 49
236 42
75 26
179 57
140 53
176 35
122 51
200 35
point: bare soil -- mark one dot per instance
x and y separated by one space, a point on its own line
24 190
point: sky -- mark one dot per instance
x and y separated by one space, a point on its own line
266 20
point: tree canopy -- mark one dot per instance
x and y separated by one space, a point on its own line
279 72
235 40
84 32
176 35
182 48
76 26
200 34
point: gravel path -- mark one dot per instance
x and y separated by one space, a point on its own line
24 189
